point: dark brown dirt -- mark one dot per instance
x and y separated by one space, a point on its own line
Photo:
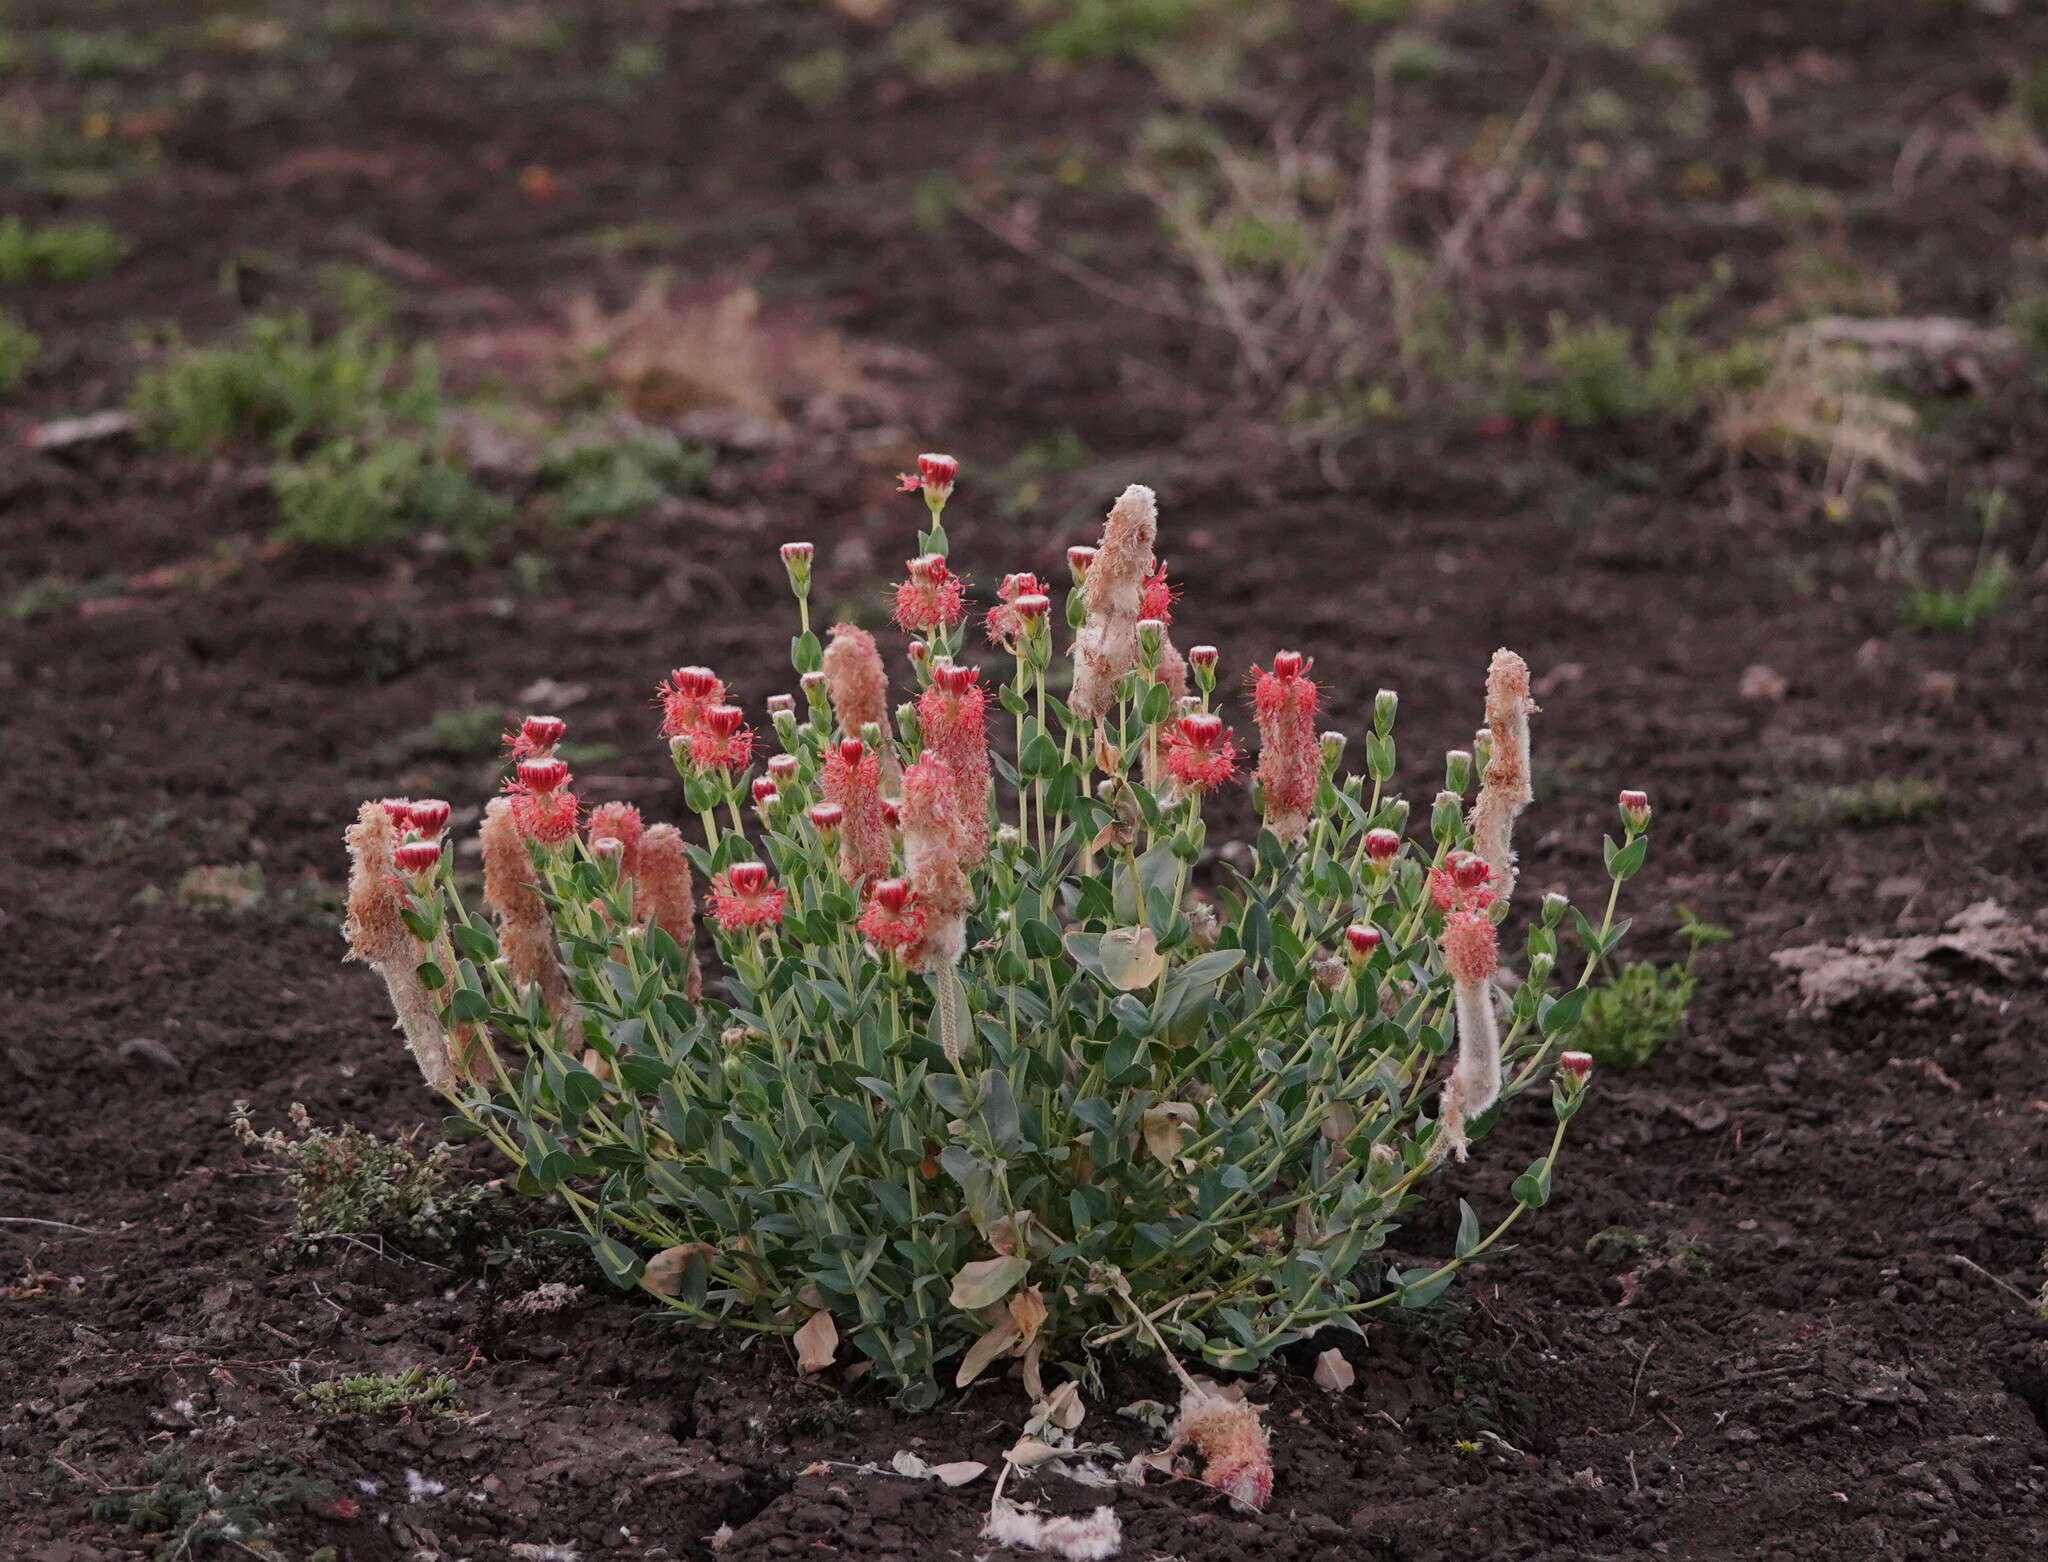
1780 1353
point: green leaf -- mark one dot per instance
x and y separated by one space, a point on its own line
1468 1229
432 975
1533 1186
1562 1013
987 1281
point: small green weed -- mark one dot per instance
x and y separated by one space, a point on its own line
1803 812
346 1182
18 349
604 478
383 1394
58 251
1635 1011
195 1509
1960 608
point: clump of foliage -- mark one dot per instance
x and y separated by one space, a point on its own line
1803 812
346 1182
1640 1007
353 418
596 477
58 251
383 1393
1958 608
19 347
984 1073
194 1509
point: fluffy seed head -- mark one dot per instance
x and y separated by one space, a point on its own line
1106 646
856 679
1505 787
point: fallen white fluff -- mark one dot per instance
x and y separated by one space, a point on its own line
1099 1535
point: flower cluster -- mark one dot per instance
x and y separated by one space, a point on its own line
994 1057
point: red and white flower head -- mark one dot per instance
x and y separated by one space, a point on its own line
1463 883
685 697
542 806
430 818
536 737
723 742
932 598
1006 624
1199 754
1156 598
892 919
935 474
1290 753
744 896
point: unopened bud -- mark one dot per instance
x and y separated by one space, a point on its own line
909 727
1635 811
953 678
937 473
1151 636
417 859
1382 846
892 895
747 878
1457 771
783 767
429 817
609 851
1361 940
1288 664
1078 560
781 704
1384 705
1482 749
813 685
1445 815
764 790
1333 751
796 559
920 656
892 813
826 817
1575 1068
1554 908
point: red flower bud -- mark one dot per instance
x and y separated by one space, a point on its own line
764 788
1032 606
430 817
852 750
954 678
892 813
1288 664
697 682
399 810
781 704
1202 729
937 471
1635 810
1575 1066
797 552
825 817
747 878
1469 870
892 894
542 775
724 720
542 733
1078 560
1362 939
1203 657
928 569
1382 845
417 858
783 767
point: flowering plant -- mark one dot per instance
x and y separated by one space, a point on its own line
996 1066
